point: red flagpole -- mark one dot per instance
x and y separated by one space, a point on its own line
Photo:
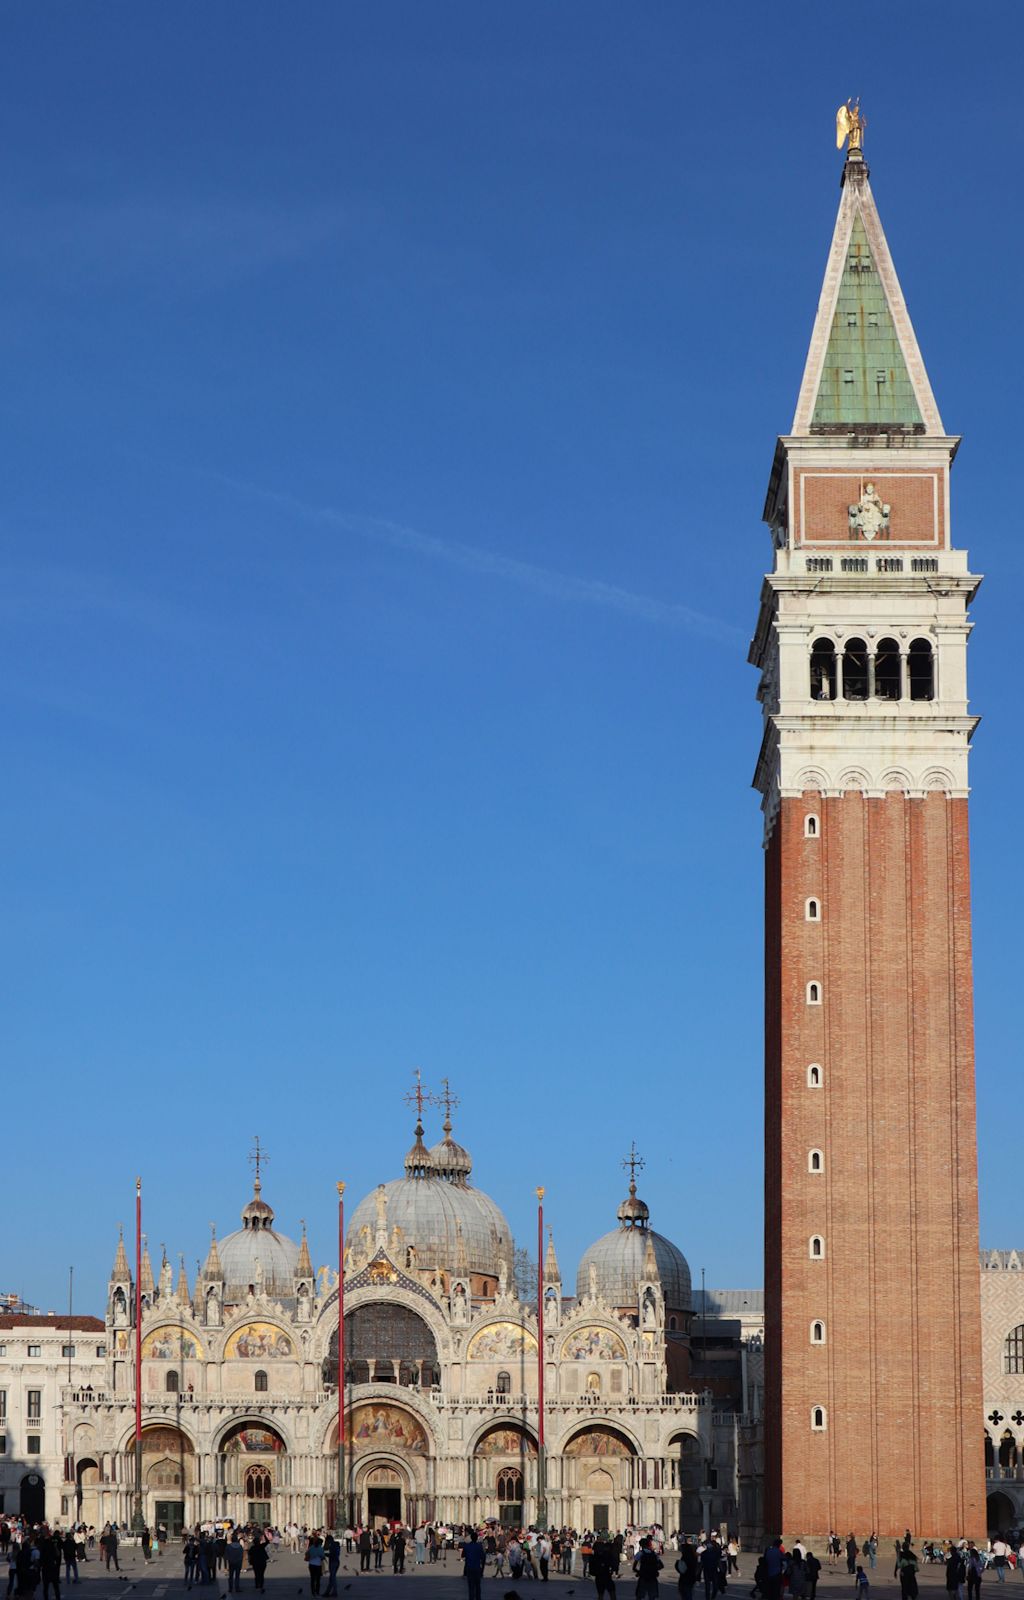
541 1496
137 1519
341 1515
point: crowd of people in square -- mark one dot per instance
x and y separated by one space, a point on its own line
38 1556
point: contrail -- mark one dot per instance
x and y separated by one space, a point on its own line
471 558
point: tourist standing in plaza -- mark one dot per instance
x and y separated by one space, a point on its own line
315 1562
258 1559
233 1557
647 1565
472 1566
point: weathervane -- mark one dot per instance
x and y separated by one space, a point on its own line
635 1162
850 126
258 1156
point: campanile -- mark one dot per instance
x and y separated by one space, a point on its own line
872 1342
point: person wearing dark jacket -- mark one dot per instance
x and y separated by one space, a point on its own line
687 1568
602 1568
258 1560
69 1547
365 1549
812 1569
646 1566
49 1566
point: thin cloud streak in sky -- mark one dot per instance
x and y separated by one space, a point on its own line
542 580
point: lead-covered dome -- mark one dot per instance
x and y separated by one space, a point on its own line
447 1223
257 1256
617 1261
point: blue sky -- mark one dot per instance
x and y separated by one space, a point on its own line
390 397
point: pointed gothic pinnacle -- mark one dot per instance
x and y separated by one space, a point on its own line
120 1273
183 1296
304 1265
461 1259
650 1262
212 1271
146 1282
551 1272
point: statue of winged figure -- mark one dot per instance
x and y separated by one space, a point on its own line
850 125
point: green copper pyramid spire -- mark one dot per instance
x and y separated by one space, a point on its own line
864 377
864 367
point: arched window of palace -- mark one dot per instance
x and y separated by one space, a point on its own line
921 670
504 1383
823 670
1013 1350
1007 1451
261 1383
887 670
855 670
171 1382
257 1483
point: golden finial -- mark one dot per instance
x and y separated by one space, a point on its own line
540 1194
850 126
341 1190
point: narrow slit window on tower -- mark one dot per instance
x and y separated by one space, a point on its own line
921 669
887 670
814 994
855 670
823 670
817 1247
810 826
880 376
815 1161
819 1420
814 1076
812 911
851 319
848 375
817 1332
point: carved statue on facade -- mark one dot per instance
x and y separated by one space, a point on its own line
869 518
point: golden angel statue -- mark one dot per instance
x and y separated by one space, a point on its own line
850 125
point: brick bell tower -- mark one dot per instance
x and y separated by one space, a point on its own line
872 1344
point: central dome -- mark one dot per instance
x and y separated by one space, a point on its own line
445 1223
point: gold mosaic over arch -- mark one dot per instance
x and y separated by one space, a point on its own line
259 1341
593 1344
501 1341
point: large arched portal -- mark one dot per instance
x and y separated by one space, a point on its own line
599 1478
252 1470
168 1475
385 1343
1001 1515
390 1464
504 1475
684 1467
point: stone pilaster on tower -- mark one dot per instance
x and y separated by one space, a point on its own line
872 1357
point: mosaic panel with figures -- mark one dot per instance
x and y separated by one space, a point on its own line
593 1344
259 1341
501 1341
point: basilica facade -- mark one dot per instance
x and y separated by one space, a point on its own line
240 1372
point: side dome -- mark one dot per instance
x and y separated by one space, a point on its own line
255 1254
614 1265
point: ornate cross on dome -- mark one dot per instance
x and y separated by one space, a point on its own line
259 1158
418 1097
635 1162
449 1101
